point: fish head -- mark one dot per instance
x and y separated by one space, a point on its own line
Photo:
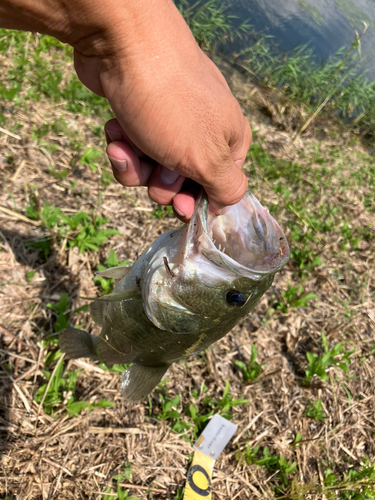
215 270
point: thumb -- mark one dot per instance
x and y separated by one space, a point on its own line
228 188
228 183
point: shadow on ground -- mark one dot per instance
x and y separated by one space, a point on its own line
17 337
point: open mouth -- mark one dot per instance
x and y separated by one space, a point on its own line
248 235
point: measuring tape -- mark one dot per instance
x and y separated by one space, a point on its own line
208 447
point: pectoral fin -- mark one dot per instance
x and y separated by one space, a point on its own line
115 272
138 381
77 344
124 295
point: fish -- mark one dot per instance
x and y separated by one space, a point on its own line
187 290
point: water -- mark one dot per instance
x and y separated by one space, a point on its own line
326 24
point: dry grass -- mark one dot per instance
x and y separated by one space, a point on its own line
44 457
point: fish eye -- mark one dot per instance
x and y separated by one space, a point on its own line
236 299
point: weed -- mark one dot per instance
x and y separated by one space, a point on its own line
30 275
357 484
107 284
306 259
58 391
179 494
107 177
210 23
167 413
275 464
115 368
58 175
213 405
318 365
314 410
294 296
61 308
161 212
336 84
89 157
297 439
126 473
80 230
252 370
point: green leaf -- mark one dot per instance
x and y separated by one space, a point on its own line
298 438
75 408
112 260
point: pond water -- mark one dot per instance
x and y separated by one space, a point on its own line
326 24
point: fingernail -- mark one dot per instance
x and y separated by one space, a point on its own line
113 135
120 165
168 176
178 211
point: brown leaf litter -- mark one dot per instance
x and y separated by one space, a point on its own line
44 457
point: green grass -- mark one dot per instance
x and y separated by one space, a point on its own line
339 84
125 474
310 221
252 370
292 297
211 24
58 392
161 212
106 284
200 414
314 410
357 484
39 69
276 465
80 230
336 356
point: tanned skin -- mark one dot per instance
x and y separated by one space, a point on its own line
176 117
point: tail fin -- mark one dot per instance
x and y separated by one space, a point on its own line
77 344
138 381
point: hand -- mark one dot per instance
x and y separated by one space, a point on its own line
176 116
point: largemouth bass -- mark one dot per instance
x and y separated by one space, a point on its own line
187 290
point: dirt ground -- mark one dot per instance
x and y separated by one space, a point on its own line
62 457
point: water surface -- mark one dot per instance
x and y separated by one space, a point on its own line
326 24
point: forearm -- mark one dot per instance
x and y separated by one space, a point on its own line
171 101
83 23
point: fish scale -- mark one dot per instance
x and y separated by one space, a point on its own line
183 293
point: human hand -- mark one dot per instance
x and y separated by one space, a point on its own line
176 116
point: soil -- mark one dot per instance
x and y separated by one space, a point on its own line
57 457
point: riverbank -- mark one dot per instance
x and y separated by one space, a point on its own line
338 88
307 352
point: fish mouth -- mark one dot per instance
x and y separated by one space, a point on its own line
245 239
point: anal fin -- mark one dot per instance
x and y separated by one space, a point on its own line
77 343
138 381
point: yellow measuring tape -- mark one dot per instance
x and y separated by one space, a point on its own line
208 447
198 483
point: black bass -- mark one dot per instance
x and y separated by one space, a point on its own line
187 290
